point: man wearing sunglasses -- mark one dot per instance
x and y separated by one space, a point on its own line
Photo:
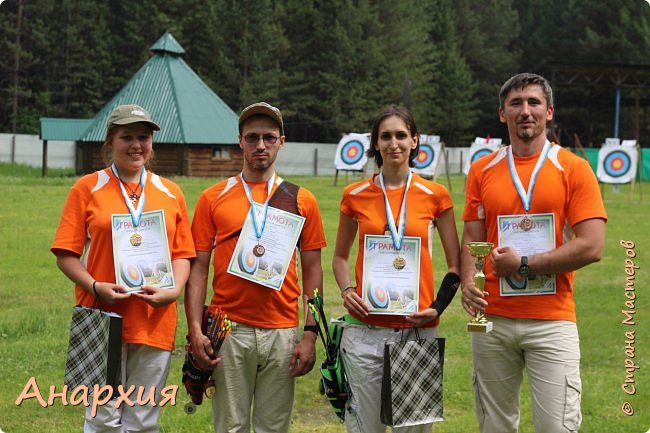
255 223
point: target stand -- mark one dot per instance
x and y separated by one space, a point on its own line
347 175
430 153
351 154
480 147
618 164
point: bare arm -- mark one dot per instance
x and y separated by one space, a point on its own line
586 247
345 236
449 238
194 301
304 354
72 267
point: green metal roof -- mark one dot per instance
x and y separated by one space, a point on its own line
63 129
186 109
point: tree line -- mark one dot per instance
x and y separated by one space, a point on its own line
330 65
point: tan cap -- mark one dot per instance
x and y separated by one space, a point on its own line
131 113
264 109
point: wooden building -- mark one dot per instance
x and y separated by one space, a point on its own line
198 131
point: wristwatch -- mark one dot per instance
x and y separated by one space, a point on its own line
524 269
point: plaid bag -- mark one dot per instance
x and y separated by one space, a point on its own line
411 390
95 350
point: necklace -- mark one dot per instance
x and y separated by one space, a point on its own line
133 192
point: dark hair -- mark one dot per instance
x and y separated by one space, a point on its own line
526 79
404 114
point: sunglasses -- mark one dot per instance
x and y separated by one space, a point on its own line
253 138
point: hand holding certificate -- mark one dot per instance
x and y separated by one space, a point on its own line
146 261
391 278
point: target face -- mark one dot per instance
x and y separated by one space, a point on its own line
393 293
352 152
379 297
617 163
247 261
425 157
480 153
132 275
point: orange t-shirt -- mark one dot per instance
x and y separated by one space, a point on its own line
426 200
566 186
219 215
85 229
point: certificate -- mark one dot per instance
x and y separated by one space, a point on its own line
141 254
528 235
266 265
391 278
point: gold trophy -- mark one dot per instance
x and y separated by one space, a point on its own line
479 250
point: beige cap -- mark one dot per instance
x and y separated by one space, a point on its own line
131 113
266 110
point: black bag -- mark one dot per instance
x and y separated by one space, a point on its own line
411 391
95 349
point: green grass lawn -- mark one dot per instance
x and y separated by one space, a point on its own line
36 302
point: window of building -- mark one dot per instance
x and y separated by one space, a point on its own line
220 153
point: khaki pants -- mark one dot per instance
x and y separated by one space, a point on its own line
362 351
143 367
550 353
254 370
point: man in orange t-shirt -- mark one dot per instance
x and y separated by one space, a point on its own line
263 354
540 206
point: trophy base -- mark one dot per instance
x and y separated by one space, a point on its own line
483 327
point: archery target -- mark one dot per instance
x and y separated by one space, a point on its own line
351 152
425 157
247 261
480 153
426 161
617 164
479 148
379 297
131 275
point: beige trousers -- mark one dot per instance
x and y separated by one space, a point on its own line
254 374
549 351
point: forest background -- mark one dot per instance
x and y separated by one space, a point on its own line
329 64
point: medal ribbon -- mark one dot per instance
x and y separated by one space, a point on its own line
257 225
527 196
136 214
396 233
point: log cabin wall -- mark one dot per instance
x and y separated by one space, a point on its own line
198 160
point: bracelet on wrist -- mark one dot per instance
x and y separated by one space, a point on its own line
348 287
95 289
311 328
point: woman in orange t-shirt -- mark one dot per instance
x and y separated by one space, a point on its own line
400 209
146 298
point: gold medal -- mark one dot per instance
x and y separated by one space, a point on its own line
525 224
258 250
399 262
135 239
